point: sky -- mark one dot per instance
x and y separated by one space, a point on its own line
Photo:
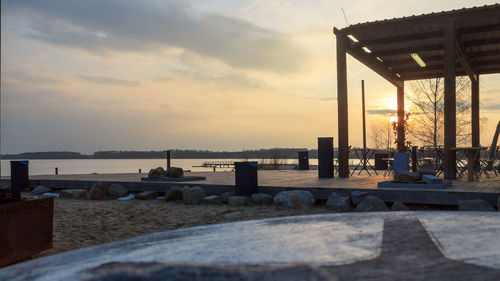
220 75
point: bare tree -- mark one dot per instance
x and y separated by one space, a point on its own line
381 133
427 111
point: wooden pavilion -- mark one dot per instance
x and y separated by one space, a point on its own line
445 44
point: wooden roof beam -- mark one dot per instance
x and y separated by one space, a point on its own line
465 61
356 51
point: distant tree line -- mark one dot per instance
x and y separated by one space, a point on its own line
272 153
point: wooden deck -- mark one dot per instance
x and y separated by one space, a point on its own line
286 178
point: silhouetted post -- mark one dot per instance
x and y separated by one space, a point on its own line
343 152
414 158
57 171
401 118
245 178
364 119
19 177
450 104
325 157
303 160
140 171
168 159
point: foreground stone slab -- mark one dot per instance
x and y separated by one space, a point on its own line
352 246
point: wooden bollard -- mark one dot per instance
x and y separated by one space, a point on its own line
140 171
57 171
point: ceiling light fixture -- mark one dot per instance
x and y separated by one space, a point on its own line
418 59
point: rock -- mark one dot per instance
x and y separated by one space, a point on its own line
73 193
148 194
239 201
156 173
174 193
294 199
474 205
398 206
192 195
40 189
116 190
339 203
430 179
404 176
211 199
422 172
174 172
357 196
262 199
371 204
97 192
226 195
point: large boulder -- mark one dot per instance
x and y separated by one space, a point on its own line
422 172
116 190
211 200
294 199
148 194
173 194
156 173
239 201
97 192
226 195
474 205
73 193
40 189
174 172
193 195
399 206
358 196
262 199
404 176
339 202
371 204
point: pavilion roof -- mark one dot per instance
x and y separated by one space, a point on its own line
386 46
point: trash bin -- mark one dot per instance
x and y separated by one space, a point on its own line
303 160
379 163
245 178
19 179
325 157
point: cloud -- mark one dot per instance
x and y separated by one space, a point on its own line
109 81
491 107
382 111
139 25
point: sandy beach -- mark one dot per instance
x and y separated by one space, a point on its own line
83 223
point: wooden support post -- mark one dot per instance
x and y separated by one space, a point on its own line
343 153
401 119
450 165
475 112
364 118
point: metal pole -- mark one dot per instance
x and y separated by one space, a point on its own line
364 119
168 159
343 124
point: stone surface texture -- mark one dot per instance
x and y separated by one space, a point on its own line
262 199
40 189
399 206
193 195
239 201
226 195
174 172
353 246
339 202
405 176
116 190
173 193
371 204
357 196
97 192
156 173
73 193
295 199
211 199
474 205
146 195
